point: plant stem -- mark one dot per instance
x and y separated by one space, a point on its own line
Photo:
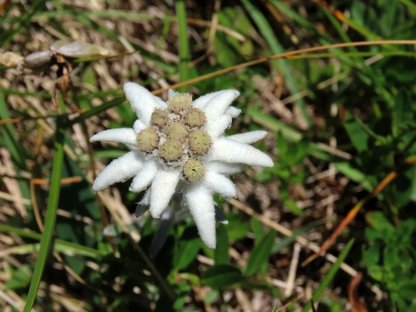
183 43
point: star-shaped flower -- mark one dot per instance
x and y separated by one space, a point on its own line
179 146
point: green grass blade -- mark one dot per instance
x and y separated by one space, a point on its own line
60 244
50 218
22 21
410 5
9 139
275 47
330 275
97 109
25 249
183 41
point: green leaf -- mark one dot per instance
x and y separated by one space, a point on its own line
357 134
221 276
330 275
379 222
257 228
237 227
221 251
354 174
260 254
186 253
293 207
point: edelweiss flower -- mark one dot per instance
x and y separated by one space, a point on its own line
180 147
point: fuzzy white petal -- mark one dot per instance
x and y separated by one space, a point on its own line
249 137
216 126
144 177
227 150
233 111
224 168
220 103
119 170
142 101
120 135
162 189
138 126
204 99
220 184
202 209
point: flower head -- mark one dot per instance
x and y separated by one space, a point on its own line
179 146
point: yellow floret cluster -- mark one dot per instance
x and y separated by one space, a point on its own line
176 136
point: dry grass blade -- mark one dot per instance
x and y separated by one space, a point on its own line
286 232
63 181
353 212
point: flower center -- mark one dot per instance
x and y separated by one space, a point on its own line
176 137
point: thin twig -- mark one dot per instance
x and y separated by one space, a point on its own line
290 283
287 55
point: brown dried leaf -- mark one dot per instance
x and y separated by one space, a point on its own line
10 59
356 304
78 49
38 59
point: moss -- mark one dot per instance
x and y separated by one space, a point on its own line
199 142
148 140
193 170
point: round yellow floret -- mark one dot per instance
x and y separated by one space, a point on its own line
180 102
171 150
193 170
159 117
176 131
194 117
147 140
199 142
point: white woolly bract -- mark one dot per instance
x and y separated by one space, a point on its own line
228 150
144 177
203 100
121 135
162 189
227 156
202 209
219 103
217 126
119 170
142 101
218 183
249 137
